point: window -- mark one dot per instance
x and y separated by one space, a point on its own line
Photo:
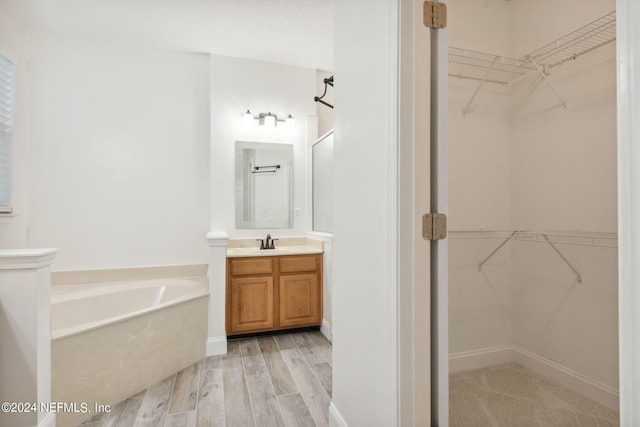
6 132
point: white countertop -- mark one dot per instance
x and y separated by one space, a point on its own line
281 250
284 246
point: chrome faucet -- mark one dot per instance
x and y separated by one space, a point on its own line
267 243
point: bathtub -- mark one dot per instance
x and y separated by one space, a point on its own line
112 340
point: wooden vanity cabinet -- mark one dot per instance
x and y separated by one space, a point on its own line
273 293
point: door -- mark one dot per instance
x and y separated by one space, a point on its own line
299 300
424 293
251 304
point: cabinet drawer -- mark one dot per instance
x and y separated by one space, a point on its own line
257 265
293 264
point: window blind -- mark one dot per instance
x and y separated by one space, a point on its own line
6 132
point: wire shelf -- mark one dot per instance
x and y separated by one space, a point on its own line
487 67
575 237
590 37
482 66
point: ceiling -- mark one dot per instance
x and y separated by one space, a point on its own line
292 32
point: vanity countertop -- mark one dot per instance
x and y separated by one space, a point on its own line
284 246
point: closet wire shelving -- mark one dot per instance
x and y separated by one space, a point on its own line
489 68
552 238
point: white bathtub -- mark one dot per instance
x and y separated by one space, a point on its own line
112 340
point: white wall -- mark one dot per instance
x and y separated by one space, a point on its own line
479 185
13 44
241 84
519 161
564 178
365 206
119 147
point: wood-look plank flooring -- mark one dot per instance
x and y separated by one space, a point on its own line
280 380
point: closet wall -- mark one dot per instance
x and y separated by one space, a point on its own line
519 161
479 189
564 178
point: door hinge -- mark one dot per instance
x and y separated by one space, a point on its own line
435 15
434 226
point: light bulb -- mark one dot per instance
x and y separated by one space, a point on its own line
247 119
270 121
290 122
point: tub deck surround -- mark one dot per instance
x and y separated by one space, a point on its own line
25 333
112 340
284 246
128 274
217 337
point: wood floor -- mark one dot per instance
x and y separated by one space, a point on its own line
281 380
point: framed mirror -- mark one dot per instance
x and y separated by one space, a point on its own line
264 185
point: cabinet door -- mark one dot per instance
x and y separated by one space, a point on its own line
300 303
251 304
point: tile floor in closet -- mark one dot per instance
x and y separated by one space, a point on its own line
279 380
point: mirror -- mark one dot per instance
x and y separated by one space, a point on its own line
322 154
264 185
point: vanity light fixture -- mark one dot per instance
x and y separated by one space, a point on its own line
268 120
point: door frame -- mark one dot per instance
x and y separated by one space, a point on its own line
628 73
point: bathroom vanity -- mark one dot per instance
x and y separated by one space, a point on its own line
270 290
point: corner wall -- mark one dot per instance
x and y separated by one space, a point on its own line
564 178
520 162
479 186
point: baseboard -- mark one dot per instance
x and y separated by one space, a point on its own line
49 420
335 419
481 358
581 384
216 345
594 390
326 329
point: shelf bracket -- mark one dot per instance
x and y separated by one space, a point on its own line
466 109
563 258
496 250
546 79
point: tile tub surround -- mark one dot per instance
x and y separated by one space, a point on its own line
107 363
284 246
512 395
